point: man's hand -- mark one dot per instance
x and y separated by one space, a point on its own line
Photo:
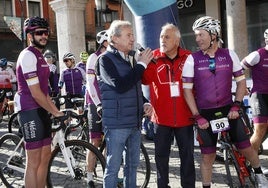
99 110
148 109
145 56
234 111
201 122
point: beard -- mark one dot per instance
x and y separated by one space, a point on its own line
38 44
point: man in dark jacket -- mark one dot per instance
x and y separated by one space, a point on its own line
120 85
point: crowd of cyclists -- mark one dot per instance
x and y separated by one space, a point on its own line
79 79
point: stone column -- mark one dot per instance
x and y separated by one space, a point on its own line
237 27
70 27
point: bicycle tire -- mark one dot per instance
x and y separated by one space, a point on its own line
10 177
232 169
233 172
144 154
58 172
143 170
13 125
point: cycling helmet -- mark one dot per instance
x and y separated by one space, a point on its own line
102 36
3 62
68 56
83 56
209 24
265 34
49 53
30 24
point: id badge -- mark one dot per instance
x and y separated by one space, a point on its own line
174 89
219 125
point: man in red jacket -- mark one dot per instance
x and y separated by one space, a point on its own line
171 114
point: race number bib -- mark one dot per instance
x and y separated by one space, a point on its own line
219 125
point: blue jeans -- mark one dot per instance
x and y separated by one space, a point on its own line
120 142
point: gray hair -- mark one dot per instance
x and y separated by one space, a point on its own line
116 28
172 27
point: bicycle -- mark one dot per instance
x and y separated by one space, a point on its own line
144 168
60 100
238 169
67 163
6 108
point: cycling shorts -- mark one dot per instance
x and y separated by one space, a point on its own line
36 128
94 122
208 140
259 105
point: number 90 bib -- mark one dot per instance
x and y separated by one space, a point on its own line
219 125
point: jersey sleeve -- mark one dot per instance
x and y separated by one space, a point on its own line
252 59
90 79
188 73
238 72
28 63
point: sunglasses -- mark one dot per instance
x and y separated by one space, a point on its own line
41 32
66 60
212 65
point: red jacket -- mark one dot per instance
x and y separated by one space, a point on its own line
168 111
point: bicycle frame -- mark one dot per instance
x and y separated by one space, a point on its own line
14 167
239 160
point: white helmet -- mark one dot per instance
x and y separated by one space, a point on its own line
209 24
102 36
68 55
265 34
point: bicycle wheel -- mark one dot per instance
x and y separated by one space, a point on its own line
58 173
14 126
144 168
232 168
8 174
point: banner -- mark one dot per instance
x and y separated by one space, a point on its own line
14 23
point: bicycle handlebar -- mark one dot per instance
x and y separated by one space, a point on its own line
61 121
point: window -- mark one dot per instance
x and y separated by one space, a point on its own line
5 10
257 22
188 12
34 8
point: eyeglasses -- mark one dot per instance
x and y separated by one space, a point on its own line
212 64
41 32
66 60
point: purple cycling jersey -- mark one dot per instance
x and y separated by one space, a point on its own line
81 65
257 61
73 79
31 69
212 89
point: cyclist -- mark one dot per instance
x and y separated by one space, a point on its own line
257 61
33 103
92 100
7 77
72 77
82 65
207 82
51 59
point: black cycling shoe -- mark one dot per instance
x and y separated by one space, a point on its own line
91 184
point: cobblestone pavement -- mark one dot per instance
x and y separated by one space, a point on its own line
219 179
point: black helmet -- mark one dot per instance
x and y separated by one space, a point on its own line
30 24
